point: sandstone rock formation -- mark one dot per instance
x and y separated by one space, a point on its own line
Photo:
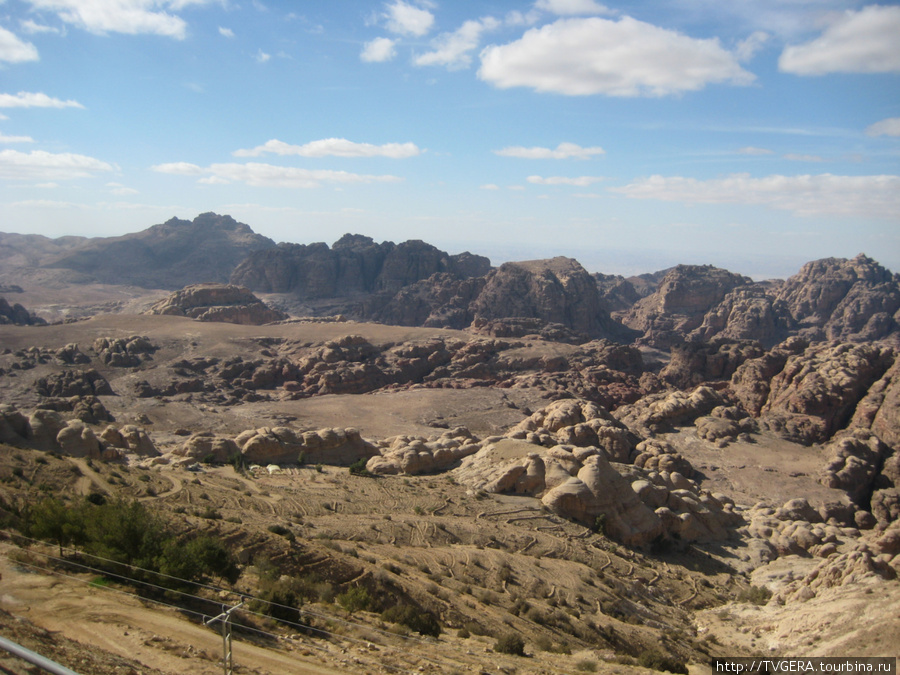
746 313
680 303
122 352
556 291
416 454
664 411
810 395
598 491
74 383
218 302
278 445
839 299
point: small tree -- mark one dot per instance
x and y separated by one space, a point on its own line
51 520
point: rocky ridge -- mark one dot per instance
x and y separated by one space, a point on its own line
218 302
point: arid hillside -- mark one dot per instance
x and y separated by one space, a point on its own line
567 485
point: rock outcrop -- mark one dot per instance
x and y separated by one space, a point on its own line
413 455
17 315
218 302
811 394
558 291
282 445
854 300
680 303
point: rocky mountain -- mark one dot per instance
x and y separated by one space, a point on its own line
171 255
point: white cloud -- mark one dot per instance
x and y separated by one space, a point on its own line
562 151
269 175
27 99
378 50
14 50
857 42
580 181
453 50
226 32
131 17
489 186
15 139
262 57
803 158
750 150
32 28
46 166
747 49
628 57
334 147
119 189
572 7
806 195
405 19
888 127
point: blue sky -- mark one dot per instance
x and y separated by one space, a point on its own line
750 134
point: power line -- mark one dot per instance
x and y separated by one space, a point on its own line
215 589
203 617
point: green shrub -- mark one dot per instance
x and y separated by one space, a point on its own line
356 599
656 660
358 468
757 595
424 623
510 643
586 666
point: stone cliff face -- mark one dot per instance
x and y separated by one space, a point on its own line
354 265
171 255
16 314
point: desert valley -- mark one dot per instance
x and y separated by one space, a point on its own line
399 460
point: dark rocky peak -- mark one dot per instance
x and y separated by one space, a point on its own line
170 255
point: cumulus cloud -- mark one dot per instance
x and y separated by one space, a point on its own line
378 50
15 139
489 186
856 42
572 7
454 50
888 127
406 19
806 195
269 175
15 50
262 57
580 181
226 32
562 151
334 147
47 166
579 57
131 17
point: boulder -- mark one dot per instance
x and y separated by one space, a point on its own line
77 440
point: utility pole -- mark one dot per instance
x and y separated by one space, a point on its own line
225 618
